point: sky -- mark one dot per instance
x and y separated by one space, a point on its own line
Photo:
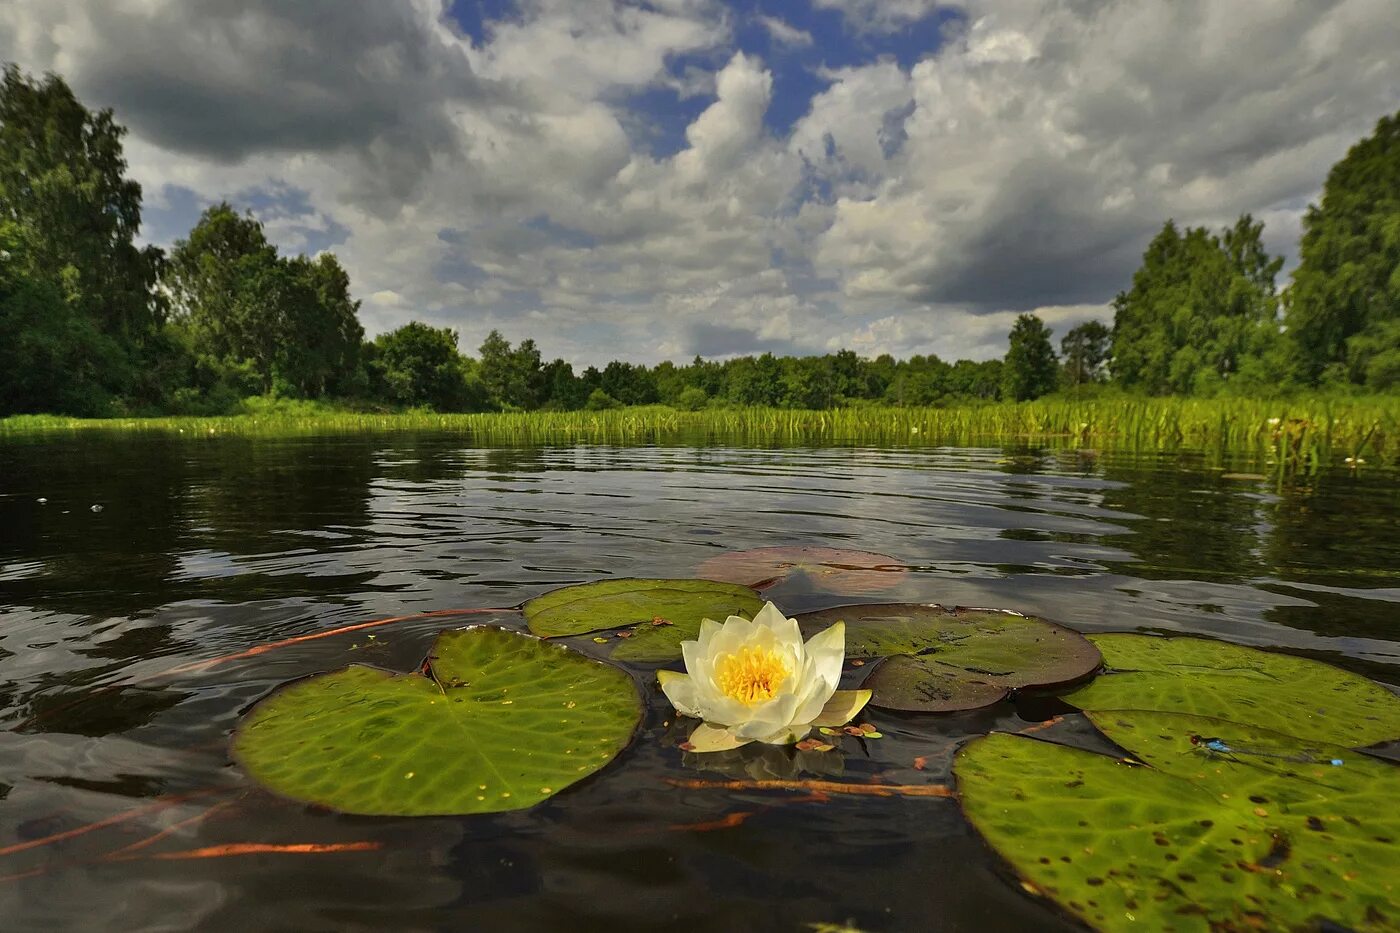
620 179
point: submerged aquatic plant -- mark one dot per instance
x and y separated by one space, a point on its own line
758 681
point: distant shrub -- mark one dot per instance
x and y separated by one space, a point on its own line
598 400
693 398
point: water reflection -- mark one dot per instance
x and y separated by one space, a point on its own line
1188 521
209 546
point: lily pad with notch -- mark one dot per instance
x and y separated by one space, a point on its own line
1274 837
1295 696
658 614
834 570
944 660
501 720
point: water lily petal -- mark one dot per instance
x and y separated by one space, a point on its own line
680 690
697 663
702 679
842 707
709 628
767 718
813 699
708 738
827 649
786 735
733 635
725 710
771 617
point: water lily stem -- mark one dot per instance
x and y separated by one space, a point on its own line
127 852
196 666
312 636
263 848
821 787
156 805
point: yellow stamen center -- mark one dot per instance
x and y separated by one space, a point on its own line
751 674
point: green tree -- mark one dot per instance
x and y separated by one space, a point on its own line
811 382
1344 301
226 289
691 398
1085 351
629 384
419 365
850 378
1030 369
514 377
330 337
751 381
72 217
53 358
564 391
706 374
598 400
291 321
1202 310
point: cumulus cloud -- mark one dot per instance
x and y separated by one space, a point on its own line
225 81
1047 141
917 203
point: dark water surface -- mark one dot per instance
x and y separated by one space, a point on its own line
203 548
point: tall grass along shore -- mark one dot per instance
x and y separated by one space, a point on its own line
1301 432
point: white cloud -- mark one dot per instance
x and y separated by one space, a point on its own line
954 333
577 49
883 15
1047 142
785 33
508 181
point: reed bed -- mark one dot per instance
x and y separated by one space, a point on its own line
1299 432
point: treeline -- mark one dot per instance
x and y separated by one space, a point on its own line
93 324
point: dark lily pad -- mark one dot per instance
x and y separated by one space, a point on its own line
833 570
927 685
503 721
658 614
1194 840
941 660
1295 696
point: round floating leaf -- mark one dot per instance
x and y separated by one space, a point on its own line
834 570
502 722
1295 696
660 613
956 659
1201 842
1270 768
926 685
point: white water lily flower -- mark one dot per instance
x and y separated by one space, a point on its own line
756 681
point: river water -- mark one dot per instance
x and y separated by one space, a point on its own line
123 558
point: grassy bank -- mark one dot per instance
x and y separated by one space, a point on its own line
1299 430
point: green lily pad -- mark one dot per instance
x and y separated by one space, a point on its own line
1196 840
659 614
502 721
835 570
1295 696
941 660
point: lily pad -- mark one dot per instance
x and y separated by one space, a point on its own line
1295 696
927 685
502 721
1195 841
659 614
941 660
834 570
